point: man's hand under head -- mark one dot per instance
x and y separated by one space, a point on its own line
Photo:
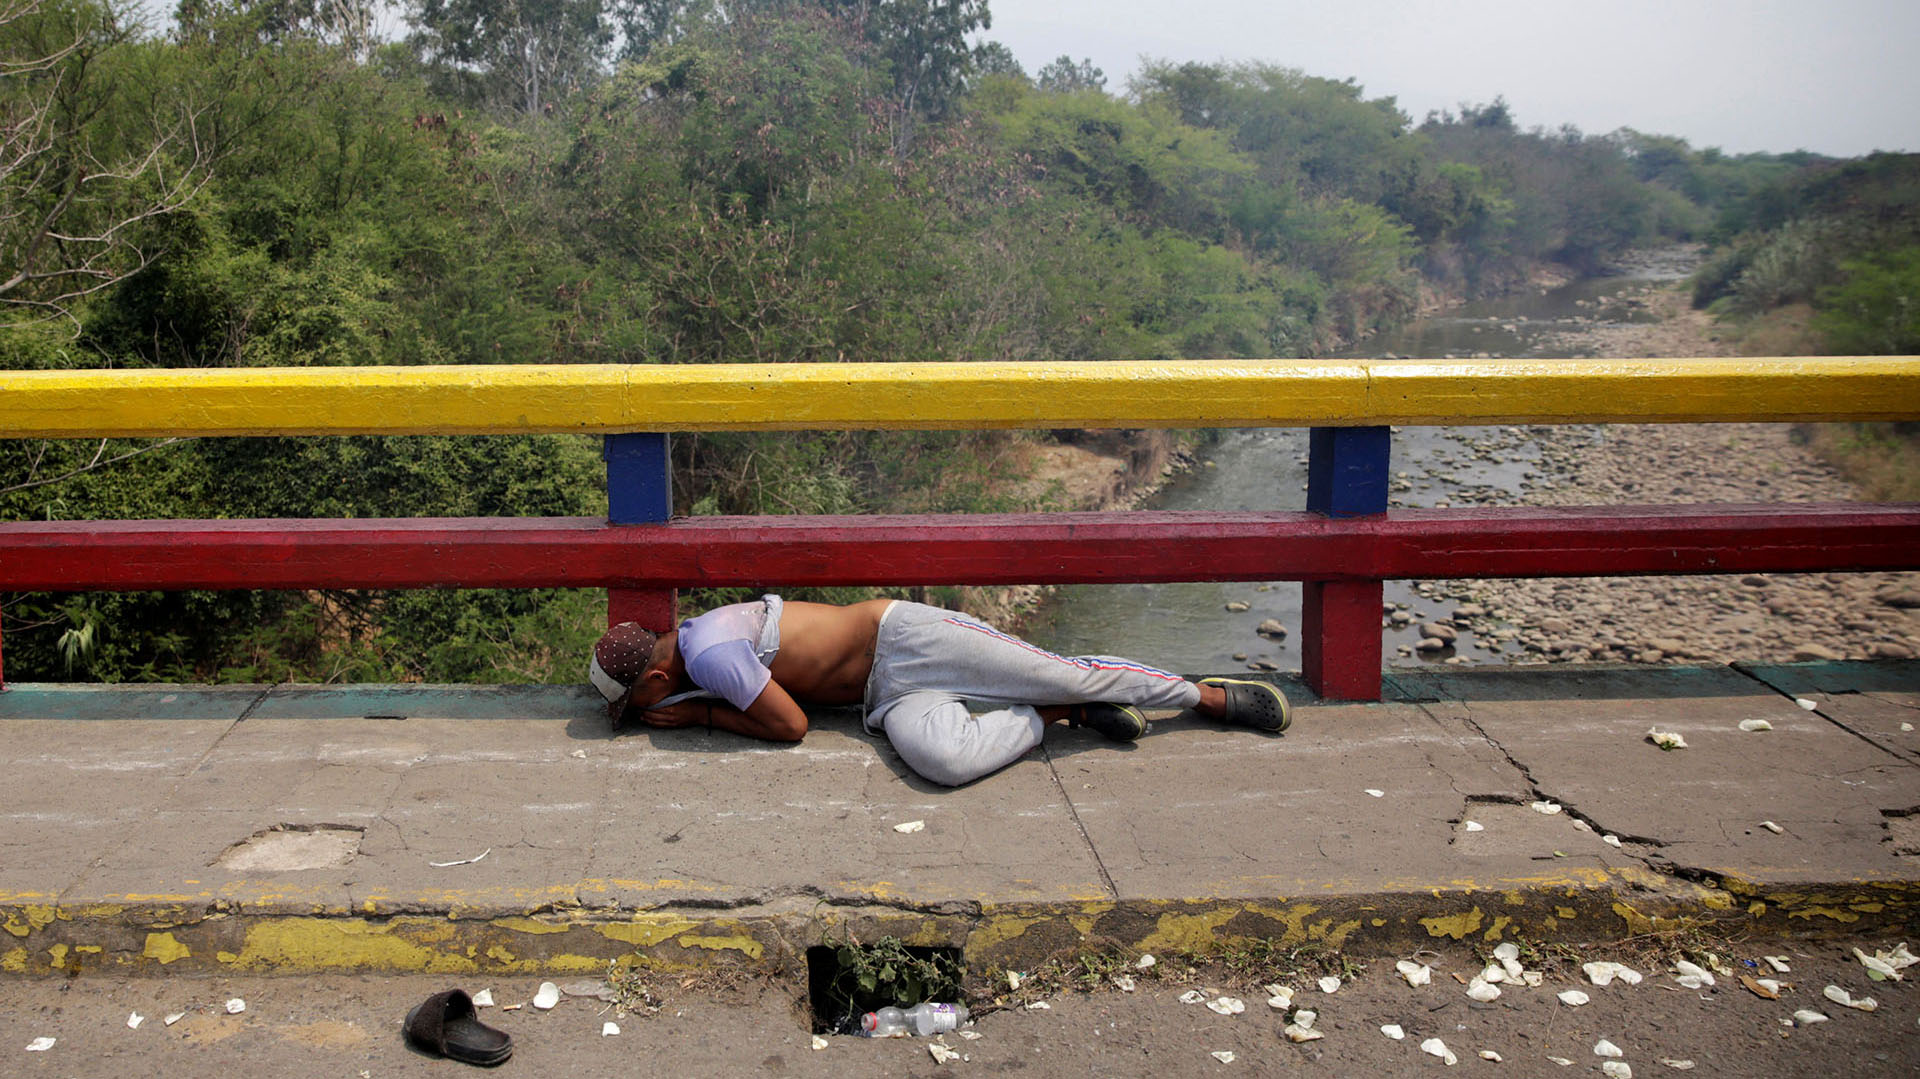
773 715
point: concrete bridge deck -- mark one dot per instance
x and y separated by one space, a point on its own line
502 829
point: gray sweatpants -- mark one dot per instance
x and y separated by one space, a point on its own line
930 664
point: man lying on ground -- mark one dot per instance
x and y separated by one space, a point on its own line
915 668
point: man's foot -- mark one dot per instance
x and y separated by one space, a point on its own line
1259 705
1120 722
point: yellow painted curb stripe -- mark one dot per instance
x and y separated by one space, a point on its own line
740 397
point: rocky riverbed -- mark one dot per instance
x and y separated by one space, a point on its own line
1776 617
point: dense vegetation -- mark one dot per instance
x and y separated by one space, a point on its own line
264 183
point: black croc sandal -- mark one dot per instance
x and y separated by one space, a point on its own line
1120 722
445 1025
1259 705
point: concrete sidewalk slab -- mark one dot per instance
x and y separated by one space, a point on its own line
298 828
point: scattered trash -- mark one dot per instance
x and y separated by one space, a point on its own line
40 1045
1043 1006
609 1028
547 997
174 1018
1416 974
1562 1061
236 1006
1778 963
1691 975
1193 996
1508 955
1605 1048
483 999
1755 725
970 1035
1436 1047
1144 962
134 1019
1224 1056
910 827
1665 739
462 861
1533 978
579 754
1227 1005
1297 1033
1677 1065
1610 840
1847 1000
1375 793
1906 726
1279 997
589 987
1392 1030
1549 808
1329 984
1013 979
1305 1018
1123 982
1772 827
1484 991
1617 1069
819 1042
1474 826
1573 998
1883 965
1603 974
1765 988
1581 826
942 1053
1807 1017
1805 703
1488 1054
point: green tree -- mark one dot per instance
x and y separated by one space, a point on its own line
1063 76
1876 310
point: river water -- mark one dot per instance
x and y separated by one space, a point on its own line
1186 626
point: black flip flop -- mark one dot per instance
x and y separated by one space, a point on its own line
445 1025
1259 705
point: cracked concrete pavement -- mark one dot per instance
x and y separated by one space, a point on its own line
144 825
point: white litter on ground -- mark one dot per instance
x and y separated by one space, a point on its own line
819 1042
1755 725
1562 1061
1617 1069
1807 1017
1392 1030
1279 997
1123 982
134 1019
1372 793
1778 963
1193 996
1677 1065
609 1028
941 1052
909 827
1224 1056
1227 1005
1772 827
1805 703
1488 1054
1436 1047
1297 1033
1604 974
462 861
1482 990
1691 975
483 999
40 1045
236 1006
1573 998
1610 840
1887 964
547 997
1474 826
1043 1006
174 1018
1847 1000
1665 739
1605 1048
1144 962
1416 974
1549 808
1329 984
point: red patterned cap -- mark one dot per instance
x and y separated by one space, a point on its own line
619 659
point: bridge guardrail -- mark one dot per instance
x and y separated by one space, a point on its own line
1342 548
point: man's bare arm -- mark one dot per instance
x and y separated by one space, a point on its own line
773 716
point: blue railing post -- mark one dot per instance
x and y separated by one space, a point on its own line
639 491
1347 476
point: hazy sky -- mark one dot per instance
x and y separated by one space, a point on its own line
1840 77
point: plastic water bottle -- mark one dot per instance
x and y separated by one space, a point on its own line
922 1019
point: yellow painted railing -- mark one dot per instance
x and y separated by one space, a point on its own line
599 399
